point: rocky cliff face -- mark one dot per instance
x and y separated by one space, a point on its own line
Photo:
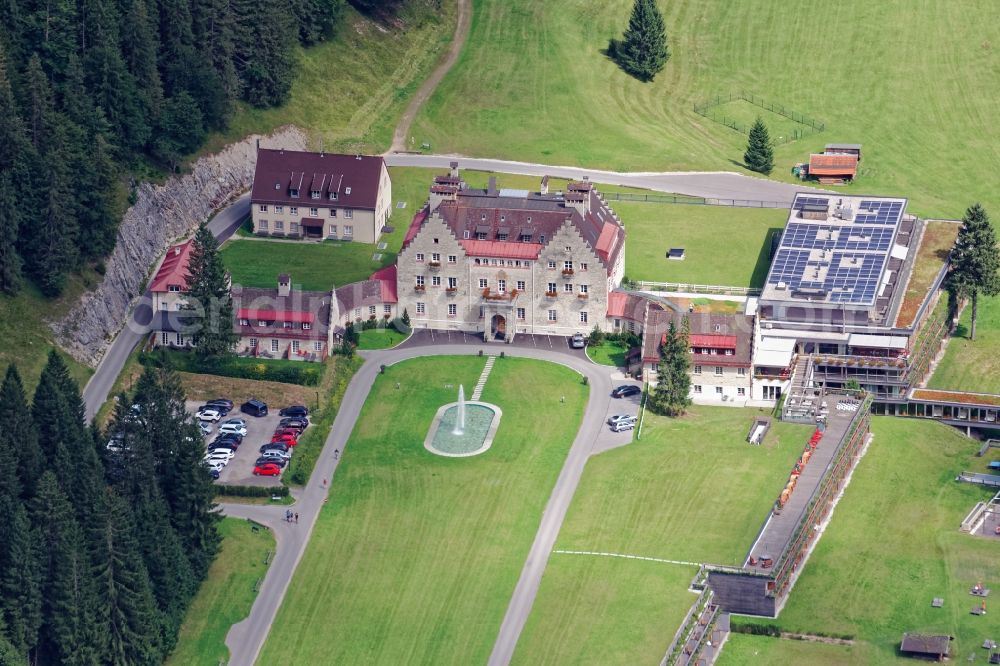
161 215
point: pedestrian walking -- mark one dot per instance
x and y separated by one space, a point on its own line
296 519
324 483
336 454
288 515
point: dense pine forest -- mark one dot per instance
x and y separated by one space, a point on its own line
101 548
91 91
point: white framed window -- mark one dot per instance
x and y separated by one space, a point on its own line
697 369
174 288
295 346
583 265
253 343
567 265
718 369
420 280
261 322
314 194
551 287
552 265
262 225
357 313
420 257
584 288
347 190
262 208
314 211
436 256
697 388
568 288
333 212
244 322
718 390
371 310
742 372
317 346
348 229
521 314
730 352
286 324
501 237
293 210
387 309
349 213
452 259
452 283
465 234
180 338
274 345
452 309
483 283
741 391
569 249
279 209
279 225
164 338
306 326
294 227
520 285
583 316
502 286
421 308
435 280
333 231
552 315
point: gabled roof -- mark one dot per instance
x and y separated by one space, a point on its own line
832 165
501 249
298 307
270 314
702 324
387 277
354 179
712 340
174 269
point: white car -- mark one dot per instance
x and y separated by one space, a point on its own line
215 465
206 428
209 415
237 421
578 341
228 454
620 418
233 428
622 426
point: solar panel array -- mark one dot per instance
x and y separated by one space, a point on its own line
882 212
855 237
801 201
843 284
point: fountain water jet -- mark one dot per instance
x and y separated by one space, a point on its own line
460 416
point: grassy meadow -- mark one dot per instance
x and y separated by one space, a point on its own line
415 556
915 82
972 365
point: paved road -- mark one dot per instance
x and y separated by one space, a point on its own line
709 184
427 87
95 393
246 638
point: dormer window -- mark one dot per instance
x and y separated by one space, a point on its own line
174 288
306 326
347 190
292 192
286 324
261 322
314 194
333 196
277 186
244 322
541 239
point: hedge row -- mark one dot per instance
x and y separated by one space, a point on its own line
288 372
252 491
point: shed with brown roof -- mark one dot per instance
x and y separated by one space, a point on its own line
925 646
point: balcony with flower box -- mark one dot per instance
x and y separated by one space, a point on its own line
583 295
419 288
499 295
567 272
551 294
451 291
435 265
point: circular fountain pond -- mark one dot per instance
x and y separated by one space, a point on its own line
481 421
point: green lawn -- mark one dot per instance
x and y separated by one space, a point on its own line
380 338
415 557
603 610
532 83
225 597
723 246
894 544
747 650
972 366
349 92
609 352
692 490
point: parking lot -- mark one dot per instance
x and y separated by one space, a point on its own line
239 471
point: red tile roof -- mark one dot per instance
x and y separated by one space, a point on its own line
255 314
279 170
606 240
501 249
833 165
714 341
415 224
387 278
616 303
174 269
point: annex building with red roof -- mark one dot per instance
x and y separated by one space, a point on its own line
503 261
320 196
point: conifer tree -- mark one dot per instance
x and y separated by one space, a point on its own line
208 297
20 578
17 431
975 261
670 396
643 50
759 155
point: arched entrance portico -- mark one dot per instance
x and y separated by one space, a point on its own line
498 327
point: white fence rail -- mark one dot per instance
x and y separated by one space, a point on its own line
687 288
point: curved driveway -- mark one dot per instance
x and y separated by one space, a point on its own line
246 638
708 184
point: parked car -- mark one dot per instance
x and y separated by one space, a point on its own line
235 421
288 440
214 472
229 437
578 341
267 469
215 465
217 460
275 453
625 391
271 460
623 426
620 418
210 415
297 422
254 407
225 402
291 432
295 410
219 407
233 428
274 446
206 428
222 452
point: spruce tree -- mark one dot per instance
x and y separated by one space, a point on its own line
17 432
10 222
643 50
208 297
975 261
759 155
670 396
20 578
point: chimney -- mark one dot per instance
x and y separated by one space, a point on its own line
177 250
545 185
491 189
284 285
454 169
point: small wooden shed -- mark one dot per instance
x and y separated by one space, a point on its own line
925 646
843 149
833 168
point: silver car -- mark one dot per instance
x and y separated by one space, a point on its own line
623 426
578 341
620 418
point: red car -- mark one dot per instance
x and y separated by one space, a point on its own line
284 439
291 432
267 469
